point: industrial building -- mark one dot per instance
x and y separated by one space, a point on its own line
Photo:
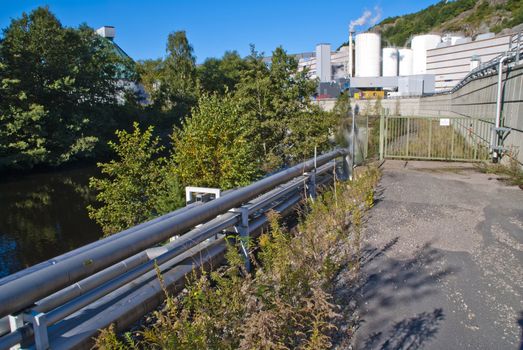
433 63
452 60
365 66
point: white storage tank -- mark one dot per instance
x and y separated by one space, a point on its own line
368 52
420 44
390 62
451 39
405 62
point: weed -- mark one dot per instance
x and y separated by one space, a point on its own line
286 302
511 173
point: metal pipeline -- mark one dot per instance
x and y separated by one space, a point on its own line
82 249
149 286
195 237
22 292
89 283
96 280
171 250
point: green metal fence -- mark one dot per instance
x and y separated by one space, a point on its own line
435 138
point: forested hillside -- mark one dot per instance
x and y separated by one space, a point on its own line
468 16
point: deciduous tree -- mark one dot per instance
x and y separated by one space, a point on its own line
58 88
138 185
278 95
216 146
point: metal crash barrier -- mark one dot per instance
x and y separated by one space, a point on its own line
62 303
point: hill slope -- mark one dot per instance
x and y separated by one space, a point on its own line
467 16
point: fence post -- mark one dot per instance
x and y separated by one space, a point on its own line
452 139
367 138
430 136
353 143
382 136
408 136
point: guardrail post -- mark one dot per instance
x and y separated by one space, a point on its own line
346 168
39 323
243 230
15 322
311 184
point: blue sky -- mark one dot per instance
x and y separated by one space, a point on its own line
216 26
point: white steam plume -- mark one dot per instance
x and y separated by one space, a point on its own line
360 21
366 17
377 16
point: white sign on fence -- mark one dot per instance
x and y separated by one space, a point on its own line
444 122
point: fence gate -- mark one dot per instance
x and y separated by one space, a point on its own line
435 138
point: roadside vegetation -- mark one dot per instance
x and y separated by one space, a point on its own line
286 302
511 173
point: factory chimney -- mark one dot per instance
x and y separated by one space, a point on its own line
351 54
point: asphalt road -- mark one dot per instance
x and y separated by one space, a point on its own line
442 264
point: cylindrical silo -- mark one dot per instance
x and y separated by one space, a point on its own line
420 44
405 59
368 52
390 62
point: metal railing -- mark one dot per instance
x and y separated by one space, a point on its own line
514 55
45 305
435 138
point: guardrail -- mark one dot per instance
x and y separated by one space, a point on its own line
514 55
63 302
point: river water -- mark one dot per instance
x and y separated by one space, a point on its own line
44 215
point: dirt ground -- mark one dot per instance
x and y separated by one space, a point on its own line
442 262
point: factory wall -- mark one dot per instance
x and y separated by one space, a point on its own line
451 64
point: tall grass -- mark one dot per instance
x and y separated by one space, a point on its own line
286 302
